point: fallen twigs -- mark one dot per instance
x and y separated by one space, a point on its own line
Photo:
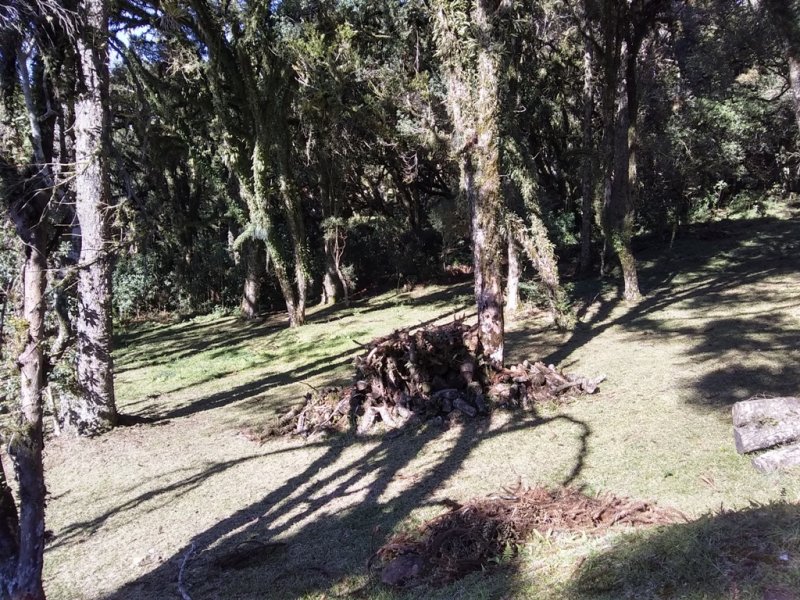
484 531
435 372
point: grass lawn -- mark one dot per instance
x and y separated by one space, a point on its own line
720 323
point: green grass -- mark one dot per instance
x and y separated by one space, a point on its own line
720 322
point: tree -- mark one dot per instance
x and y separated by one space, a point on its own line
28 200
469 51
785 17
95 409
624 26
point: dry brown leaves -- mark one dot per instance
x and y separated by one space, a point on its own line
481 532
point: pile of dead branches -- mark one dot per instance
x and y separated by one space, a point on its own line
435 372
483 531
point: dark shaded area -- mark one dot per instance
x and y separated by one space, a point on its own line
751 553
331 546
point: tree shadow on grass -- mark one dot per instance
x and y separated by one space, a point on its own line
147 346
750 553
252 391
704 276
315 532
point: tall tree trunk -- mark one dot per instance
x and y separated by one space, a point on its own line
473 104
620 209
254 272
97 411
629 172
261 222
297 232
793 58
618 218
26 445
587 180
487 200
514 270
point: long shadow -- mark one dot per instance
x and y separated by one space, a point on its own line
251 391
751 553
368 304
328 518
705 274
174 490
185 339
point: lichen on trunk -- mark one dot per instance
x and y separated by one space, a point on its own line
471 73
97 411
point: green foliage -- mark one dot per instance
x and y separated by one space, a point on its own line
139 286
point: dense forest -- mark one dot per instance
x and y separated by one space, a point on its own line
206 156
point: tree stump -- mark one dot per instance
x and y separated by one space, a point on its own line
768 423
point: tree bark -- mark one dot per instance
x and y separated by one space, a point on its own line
793 58
473 104
512 284
587 180
294 215
487 200
9 533
332 287
784 15
97 411
26 445
254 271
618 218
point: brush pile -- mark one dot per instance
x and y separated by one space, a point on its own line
436 372
486 531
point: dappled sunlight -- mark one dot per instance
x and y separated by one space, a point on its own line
307 514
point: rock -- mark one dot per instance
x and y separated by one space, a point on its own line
403 570
464 407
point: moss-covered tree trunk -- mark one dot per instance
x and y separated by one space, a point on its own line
27 442
254 273
469 55
23 546
617 211
483 176
9 533
587 179
261 221
94 409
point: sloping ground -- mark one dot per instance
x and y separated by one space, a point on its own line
721 322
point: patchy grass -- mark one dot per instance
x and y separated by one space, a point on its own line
720 322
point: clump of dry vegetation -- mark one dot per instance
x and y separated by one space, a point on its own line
434 372
484 531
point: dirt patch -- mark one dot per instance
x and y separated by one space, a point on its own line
487 531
